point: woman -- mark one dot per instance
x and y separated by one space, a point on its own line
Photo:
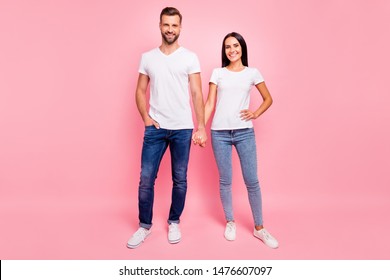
232 126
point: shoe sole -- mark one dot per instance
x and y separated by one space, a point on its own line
174 241
134 246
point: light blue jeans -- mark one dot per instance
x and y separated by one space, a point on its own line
245 143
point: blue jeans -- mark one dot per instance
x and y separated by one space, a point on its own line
155 144
244 142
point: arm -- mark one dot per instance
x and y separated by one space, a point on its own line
200 136
267 102
211 100
140 99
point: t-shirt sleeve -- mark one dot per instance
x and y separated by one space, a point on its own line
214 77
194 67
257 77
142 66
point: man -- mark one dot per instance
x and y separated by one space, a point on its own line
171 71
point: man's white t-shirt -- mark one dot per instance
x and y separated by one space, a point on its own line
169 86
233 95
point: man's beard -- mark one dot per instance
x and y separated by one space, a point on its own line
169 41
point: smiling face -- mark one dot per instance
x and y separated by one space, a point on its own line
170 28
233 49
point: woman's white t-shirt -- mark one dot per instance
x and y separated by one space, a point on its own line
233 95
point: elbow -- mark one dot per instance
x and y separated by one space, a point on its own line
270 101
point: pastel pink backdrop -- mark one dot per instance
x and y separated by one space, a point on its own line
71 134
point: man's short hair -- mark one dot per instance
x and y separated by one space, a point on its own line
170 11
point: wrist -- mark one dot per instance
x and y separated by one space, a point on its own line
145 117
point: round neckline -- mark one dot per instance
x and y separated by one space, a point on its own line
230 71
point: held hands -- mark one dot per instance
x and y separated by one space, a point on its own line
247 115
200 137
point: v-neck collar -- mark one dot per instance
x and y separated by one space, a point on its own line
169 55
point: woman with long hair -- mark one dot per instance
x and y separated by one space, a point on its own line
229 94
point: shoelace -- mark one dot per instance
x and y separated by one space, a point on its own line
140 233
173 227
230 227
266 234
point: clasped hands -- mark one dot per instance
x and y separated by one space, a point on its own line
200 137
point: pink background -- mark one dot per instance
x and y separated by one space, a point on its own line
71 135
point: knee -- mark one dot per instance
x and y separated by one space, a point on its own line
179 175
225 184
147 181
253 186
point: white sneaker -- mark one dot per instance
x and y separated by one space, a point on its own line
174 234
266 237
138 237
230 231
